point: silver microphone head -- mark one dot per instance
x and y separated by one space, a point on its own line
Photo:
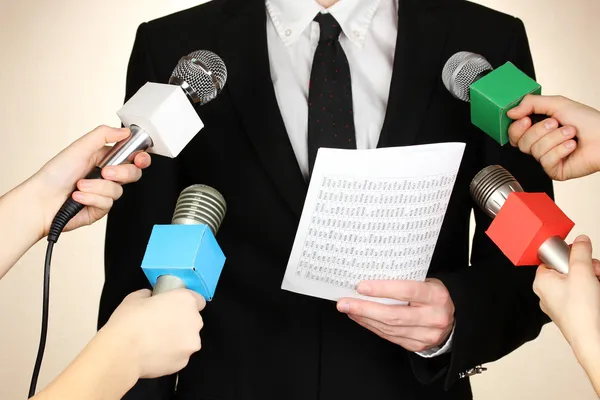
202 75
200 204
461 71
490 188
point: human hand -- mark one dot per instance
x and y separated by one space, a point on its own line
425 323
573 300
161 332
555 148
55 181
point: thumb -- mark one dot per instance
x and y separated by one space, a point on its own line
537 104
100 137
139 294
201 301
580 259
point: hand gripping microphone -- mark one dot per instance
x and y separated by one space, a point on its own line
161 117
186 254
162 120
491 92
527 227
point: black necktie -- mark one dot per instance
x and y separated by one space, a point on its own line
330 115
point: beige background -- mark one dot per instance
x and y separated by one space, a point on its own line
63 73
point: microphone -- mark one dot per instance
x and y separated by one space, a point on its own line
186 254
161 117
162 120
491 92
527 227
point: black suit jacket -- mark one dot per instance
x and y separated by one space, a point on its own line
260 342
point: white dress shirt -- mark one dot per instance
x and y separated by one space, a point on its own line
369 32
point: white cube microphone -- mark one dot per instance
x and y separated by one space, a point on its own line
161 117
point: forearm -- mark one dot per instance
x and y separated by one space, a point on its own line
101 372
21 224
587 352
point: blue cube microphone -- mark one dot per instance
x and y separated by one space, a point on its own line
186 254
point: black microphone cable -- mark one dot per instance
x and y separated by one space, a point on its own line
69 210
44 330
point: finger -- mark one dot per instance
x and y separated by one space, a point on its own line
388 314
200 301
535 133
93 200
101 187
552 159
552 140
412 291
580 260
139 294
125 173
142 160
100 137
427 335
544 308
537 104
545 277
408 344
98 156
517 129
596 265
415 333
200 322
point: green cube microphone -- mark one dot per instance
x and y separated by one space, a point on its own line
491 92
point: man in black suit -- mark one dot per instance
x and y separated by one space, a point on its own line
257 149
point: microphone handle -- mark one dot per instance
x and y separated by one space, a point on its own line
166 283
121 153
555 253
69 209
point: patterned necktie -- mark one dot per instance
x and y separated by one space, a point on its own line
330 116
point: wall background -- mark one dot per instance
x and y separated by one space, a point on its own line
63 73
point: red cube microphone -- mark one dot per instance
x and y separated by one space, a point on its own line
528 228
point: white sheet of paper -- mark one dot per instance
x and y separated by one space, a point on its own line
371 214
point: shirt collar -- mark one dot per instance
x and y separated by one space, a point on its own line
292 17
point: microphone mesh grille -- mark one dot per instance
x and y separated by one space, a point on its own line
461 71
487 182
200 204
204 72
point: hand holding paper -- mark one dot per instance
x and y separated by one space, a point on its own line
426 322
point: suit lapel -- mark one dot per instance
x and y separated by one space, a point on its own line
243 47
418 63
